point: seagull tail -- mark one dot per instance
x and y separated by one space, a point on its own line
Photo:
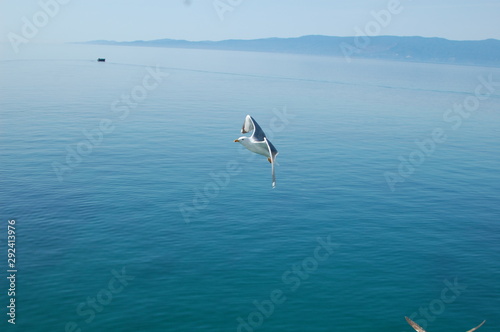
274 175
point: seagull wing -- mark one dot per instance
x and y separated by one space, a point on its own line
249 125
273 153
414 325
477 326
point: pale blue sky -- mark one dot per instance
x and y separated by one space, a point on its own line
124 20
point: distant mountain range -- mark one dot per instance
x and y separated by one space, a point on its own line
416 49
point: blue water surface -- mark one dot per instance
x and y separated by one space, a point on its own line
108 178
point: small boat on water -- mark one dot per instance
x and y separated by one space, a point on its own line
101 60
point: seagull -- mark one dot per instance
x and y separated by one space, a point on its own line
258 142
419 329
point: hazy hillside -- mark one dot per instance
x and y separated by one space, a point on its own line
484 52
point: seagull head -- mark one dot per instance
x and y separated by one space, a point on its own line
242 140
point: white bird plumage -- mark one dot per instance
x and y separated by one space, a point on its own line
258 143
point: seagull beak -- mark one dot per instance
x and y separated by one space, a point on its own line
236 140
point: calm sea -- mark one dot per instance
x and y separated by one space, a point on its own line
136 211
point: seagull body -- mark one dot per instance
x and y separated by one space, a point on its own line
258 142
420 329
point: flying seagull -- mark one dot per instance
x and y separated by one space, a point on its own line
419 329
258 142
